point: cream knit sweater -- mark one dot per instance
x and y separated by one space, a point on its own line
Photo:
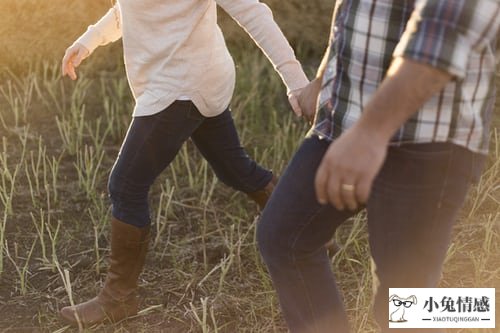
174 49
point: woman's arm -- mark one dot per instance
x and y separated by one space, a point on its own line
106 30
257 20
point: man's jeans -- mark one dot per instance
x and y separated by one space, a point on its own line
153 141
411 211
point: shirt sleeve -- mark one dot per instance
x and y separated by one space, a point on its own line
106 30
257 20
443 33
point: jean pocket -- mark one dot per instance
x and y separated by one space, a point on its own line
425 150
417 165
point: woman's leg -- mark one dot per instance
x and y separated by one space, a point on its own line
218 141
150 145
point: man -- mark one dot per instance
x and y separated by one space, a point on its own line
406 95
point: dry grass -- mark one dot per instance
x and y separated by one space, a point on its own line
59 139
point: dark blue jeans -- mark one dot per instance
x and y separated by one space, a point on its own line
153 141
411 211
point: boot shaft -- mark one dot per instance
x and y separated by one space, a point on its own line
129 245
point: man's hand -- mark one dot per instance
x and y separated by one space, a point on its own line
346 173
307 99
345 176
73 58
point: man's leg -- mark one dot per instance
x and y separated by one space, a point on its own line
291 234
411 212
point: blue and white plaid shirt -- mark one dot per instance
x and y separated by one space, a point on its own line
457 36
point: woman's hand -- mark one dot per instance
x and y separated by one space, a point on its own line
73 58
308 99
304 100
293 99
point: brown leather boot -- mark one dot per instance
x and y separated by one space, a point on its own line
118 298
261 196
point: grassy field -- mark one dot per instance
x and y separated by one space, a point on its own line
203 273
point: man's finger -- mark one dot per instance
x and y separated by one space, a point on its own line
333 190
320 182
363 189
348 194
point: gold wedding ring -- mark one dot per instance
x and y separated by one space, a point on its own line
348 187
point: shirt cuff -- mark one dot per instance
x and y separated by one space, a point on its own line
437 44
91 39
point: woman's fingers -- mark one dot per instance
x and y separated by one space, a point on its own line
294 103
82 54
67 63
73 57
64 63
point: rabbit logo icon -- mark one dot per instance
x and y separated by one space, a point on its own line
400 304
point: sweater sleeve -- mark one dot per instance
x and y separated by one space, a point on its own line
105 31
257 20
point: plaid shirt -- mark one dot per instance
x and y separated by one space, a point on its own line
457 36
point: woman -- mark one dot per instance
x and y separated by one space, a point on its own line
182 78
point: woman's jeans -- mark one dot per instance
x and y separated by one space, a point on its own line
411 211
153 141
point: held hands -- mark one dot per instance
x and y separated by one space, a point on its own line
73 57
346 173
304 100
294 101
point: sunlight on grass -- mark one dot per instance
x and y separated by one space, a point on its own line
204 273
204 266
